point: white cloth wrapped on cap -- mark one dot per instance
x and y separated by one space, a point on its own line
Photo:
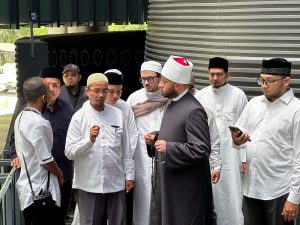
178 70
151 66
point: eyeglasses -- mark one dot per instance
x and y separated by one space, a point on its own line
262 81
216 74
149 79
98 91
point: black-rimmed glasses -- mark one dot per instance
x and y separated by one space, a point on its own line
149 79
262 81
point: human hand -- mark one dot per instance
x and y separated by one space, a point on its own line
128 185
240 139
160 146
94 131
149 138
243 167
15 162
290 211
60 178
215 176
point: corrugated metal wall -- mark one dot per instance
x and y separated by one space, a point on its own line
245 32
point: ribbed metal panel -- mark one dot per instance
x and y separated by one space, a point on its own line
244 32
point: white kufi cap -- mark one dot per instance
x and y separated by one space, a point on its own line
178 70
151 66
94 77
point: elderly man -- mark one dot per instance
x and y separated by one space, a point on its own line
71 91
148 105
184 148
98 142
33 141
272 178
227 103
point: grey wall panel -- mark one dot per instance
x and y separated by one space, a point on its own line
244 32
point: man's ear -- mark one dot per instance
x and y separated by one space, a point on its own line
286 81
79 77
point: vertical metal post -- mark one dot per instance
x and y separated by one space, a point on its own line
31 39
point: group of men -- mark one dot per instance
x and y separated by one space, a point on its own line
171 143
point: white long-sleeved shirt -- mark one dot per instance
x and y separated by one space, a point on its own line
145 124
129 119
215 158
102 166
273 155
33 139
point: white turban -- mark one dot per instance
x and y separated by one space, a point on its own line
151 66
178 70
94 77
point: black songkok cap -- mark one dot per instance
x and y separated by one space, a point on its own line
218 62
114 76
276 66
50 72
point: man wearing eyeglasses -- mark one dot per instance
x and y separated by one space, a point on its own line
227 103
272 178
98 142
148 106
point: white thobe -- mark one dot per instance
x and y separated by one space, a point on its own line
102 166
143 163
132 131
227 103
273 155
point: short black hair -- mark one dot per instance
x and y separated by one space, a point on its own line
33 88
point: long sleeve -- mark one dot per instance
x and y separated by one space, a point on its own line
215 157
294 195
76 145
197 148
128 152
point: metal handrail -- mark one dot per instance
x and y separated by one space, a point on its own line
7 183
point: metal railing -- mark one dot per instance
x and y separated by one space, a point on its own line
10 213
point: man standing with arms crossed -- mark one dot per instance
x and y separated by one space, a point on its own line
148 105
227 103
272 177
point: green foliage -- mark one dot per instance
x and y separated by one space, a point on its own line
11 35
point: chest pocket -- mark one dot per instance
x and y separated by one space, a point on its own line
114 135
229 116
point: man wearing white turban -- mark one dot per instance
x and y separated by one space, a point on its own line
183 148
148 106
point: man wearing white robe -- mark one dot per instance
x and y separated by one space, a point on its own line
227 103
98 142
115 80
146 121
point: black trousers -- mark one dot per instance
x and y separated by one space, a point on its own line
264 212
49 216
65 191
